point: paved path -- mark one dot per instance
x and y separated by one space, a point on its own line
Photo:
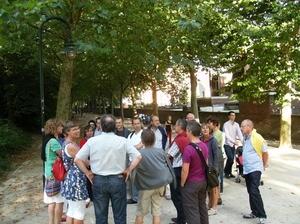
21 199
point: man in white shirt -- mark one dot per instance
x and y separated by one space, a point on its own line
108 172
232 131
135 138
160 133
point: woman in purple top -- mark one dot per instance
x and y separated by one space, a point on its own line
193 178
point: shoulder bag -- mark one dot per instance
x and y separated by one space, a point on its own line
52 186
211 172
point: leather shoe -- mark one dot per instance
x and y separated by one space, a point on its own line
228 176
174 219
249 216
131 201
219 201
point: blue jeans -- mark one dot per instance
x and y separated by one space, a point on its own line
112 188
176 196
256 202
230 156
221 172
135 193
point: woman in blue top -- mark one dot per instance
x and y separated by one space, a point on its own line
74 186
213 160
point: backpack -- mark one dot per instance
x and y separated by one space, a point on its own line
130 136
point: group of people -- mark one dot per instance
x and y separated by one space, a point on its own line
110 157
189 198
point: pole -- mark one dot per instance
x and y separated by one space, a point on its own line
42 76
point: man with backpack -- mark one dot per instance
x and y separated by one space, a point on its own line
135 138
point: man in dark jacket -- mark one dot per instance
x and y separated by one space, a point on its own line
160 133
120 130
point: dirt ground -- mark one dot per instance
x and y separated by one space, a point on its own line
21 198
21 194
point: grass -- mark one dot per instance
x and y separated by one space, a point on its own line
13 142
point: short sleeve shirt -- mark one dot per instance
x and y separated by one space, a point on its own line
107 153
197 169
174 151
51 156
251 160
135 138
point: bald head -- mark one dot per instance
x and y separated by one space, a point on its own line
247 126
108 123
190 117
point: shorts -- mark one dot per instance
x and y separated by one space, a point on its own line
55 199
150 196
76 209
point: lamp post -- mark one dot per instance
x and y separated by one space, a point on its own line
68 50
70 55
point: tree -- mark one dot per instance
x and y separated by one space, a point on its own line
194 41
264 35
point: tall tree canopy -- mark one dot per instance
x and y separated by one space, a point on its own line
131 44
264 37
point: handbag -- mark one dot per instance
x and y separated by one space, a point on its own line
211 172
52 187
58 169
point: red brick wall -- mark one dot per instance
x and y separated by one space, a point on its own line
268 125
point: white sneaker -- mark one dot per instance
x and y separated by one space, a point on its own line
262 221
212 211
168 196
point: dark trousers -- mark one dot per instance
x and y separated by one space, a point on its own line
230 157
221 172
193 198
176 196
256 202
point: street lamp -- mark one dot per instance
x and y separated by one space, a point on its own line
70 53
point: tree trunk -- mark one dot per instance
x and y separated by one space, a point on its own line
133 99
64 94
194 106
154 97
112 105
99 105
285 127
103 105
121 105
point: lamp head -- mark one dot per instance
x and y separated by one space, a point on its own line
69 50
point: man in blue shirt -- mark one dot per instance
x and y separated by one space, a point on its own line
255 160
98 130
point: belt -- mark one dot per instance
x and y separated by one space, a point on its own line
121 175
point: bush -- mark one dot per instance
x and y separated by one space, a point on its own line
12 141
